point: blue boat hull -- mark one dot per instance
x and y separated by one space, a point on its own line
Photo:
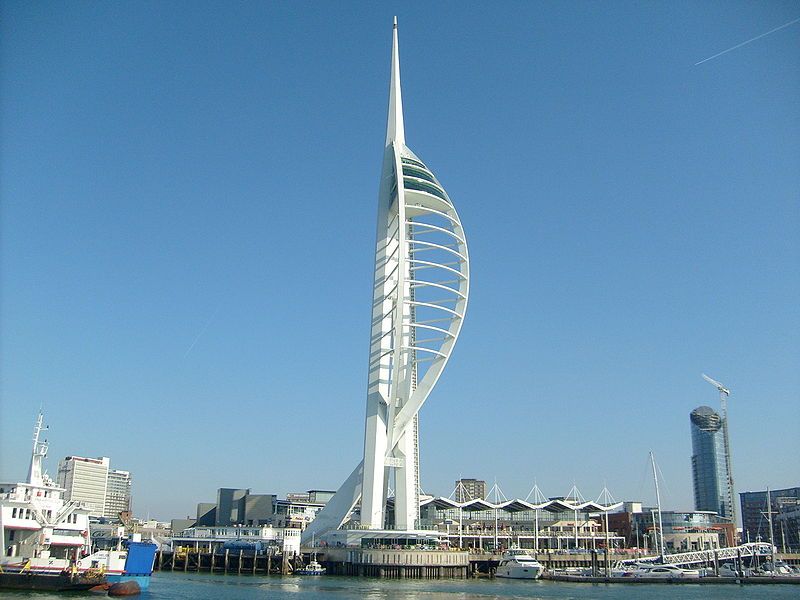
138 566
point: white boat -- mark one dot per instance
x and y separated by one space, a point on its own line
519 564
312 568
45 539
730 570
658 571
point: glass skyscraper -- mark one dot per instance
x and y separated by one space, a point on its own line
710 463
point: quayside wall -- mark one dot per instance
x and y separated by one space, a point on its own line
386 563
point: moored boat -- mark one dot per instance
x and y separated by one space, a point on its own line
312 568
29 579
131 561
46 541
517 563
663 571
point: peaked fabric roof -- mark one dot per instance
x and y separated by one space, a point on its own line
518 505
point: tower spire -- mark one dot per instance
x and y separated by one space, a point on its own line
394 126
414 213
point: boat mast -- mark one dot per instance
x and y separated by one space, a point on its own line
771 532
38 453
658 503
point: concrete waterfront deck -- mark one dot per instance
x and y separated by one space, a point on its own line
754 580
411 564
396 564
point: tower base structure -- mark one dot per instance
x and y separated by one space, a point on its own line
388 538
393 554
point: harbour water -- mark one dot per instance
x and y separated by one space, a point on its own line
200 586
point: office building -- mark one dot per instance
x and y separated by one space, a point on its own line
784 509
118 493
710 464
239 508
470 489
230 507
684 531
85 480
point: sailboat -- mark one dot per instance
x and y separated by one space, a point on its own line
45 538
660 569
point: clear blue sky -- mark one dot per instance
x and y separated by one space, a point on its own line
188 206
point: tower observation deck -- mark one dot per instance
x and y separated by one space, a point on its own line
420 296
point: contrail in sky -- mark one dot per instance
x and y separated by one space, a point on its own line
199 335
758 37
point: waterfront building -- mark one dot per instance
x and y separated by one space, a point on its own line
755 522
118 494
419 300
787 527
297 513
470 489
557 524
263 539
206 513
237 507
259 509
565 530
312 496
710 463
85 480
230 506
684 531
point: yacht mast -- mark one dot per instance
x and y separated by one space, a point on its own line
771 532
658 503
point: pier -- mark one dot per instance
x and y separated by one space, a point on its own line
396 564
409 564
707 580
236 562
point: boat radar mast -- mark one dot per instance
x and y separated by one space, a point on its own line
38 454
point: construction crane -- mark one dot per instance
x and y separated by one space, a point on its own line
723 400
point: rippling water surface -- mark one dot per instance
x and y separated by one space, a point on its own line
198 586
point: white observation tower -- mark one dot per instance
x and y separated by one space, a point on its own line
419 300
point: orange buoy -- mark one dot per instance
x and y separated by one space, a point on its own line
124 588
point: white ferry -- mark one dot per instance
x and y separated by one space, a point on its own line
46 542
519 564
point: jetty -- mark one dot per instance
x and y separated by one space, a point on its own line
392 563
239 562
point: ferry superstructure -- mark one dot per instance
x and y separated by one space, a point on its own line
46 540
40 530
